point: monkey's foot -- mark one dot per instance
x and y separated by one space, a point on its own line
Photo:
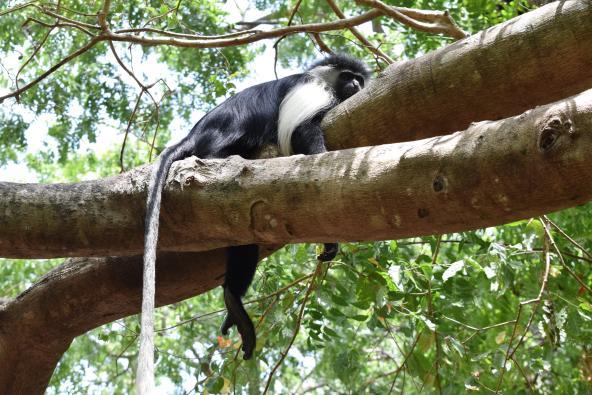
329 252
237 315
226 325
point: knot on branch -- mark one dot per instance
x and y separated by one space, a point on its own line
263 220
552 131
194 171
439 183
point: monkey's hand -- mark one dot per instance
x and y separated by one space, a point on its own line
237 315
330 250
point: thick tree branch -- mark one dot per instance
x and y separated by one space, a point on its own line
38 326
537 58
492 173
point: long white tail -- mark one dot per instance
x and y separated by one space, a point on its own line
145 370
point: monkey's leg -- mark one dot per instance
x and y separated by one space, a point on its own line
240 269
329 252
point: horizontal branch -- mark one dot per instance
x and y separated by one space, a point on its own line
534 59
490 174
248 37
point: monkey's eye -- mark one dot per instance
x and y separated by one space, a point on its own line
346 76
360 81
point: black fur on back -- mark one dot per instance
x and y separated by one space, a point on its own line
242 124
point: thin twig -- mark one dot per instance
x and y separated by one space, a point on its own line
35 52
294 11
284 353
18 7
321 43
434 22
399 368
478 330
570 239
367 44
197 42
523 373
102 15
565 266
536 302
271 295
431 315
52 69
188 35
59 24
127 130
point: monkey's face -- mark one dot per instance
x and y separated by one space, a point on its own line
348 84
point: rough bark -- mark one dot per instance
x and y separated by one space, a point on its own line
38 326
492 173
536 58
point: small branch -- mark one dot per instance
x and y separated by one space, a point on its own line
321 43
431 316
56 15
475 329
398 369
434 22
565 266
294 11
523 373
59 24
18 7
250 37
51 70
284 353
536 302
570 239
127 130
35 52
187 35
102 15
367 44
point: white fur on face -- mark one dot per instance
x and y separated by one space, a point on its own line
302 103
326 73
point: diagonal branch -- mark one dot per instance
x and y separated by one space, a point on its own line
367 44
52 69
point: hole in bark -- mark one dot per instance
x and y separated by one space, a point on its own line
423 212
289 229
548 139
438 184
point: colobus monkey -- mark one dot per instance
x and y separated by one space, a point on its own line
287 113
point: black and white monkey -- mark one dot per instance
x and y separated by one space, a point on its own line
285 112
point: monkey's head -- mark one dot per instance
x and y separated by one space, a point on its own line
344 74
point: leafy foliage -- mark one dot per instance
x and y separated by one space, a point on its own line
408 316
